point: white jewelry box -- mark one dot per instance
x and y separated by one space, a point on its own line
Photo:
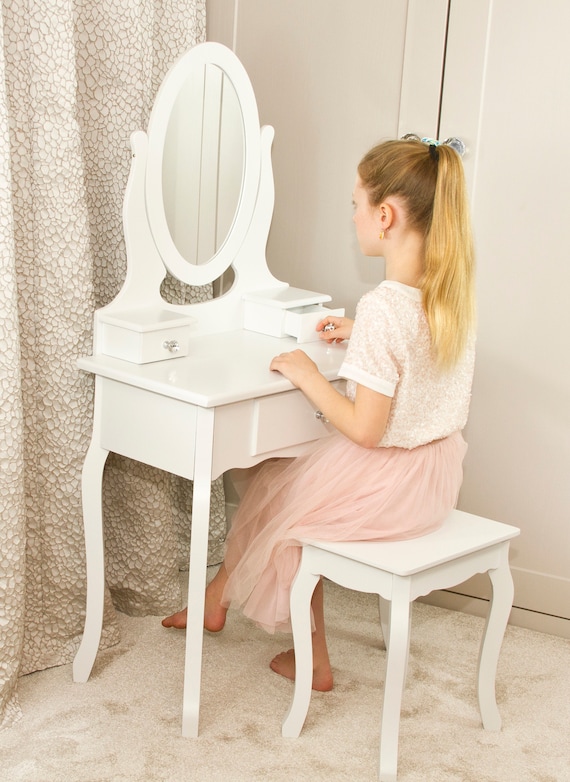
145 335
286 312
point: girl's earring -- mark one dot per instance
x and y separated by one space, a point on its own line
381 235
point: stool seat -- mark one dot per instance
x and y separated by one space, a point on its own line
399 572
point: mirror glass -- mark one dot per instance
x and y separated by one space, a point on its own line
203 163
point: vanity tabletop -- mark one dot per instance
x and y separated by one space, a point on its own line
219 369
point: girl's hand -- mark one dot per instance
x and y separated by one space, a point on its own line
342 329
296 366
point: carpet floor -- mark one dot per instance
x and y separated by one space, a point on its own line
124 724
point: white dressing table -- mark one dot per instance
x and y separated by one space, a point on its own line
186 388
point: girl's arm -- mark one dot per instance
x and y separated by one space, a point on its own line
362 421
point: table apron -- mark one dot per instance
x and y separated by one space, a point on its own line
151 428
162 431
253 430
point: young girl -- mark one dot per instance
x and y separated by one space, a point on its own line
393 468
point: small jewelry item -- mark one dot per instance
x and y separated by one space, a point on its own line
329 327
381 234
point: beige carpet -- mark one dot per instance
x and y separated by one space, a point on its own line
124 724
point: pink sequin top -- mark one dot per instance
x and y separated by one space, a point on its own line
389 352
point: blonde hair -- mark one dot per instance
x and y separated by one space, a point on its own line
431 185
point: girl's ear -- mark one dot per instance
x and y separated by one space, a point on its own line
386 214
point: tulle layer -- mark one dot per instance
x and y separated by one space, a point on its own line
336 491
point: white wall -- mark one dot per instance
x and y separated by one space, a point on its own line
327 77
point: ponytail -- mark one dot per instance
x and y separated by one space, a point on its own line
431 183
448 281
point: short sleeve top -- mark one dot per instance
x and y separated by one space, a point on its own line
390 352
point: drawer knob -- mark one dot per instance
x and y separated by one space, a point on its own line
171 345
321 417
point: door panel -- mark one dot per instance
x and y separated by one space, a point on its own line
505 89
422 72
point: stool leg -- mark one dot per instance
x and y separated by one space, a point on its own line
385 607
497 619
396 663
301 593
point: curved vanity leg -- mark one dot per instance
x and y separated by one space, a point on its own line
92 503
396 664
301 594
497 619
197 573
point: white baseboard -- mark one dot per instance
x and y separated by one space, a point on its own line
541 602
520 617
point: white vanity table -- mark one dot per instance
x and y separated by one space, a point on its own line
187 388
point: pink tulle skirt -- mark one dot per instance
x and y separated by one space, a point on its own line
335 491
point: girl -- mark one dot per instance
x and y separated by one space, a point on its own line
393 469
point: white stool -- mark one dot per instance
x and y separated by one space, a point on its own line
401 571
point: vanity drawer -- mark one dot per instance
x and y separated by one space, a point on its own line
301 322
151 428
145 336
286 311
287 419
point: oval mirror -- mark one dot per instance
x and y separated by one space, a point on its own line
203 163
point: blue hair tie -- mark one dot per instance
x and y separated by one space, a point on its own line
453 142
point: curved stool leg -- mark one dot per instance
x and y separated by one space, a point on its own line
497 619
385 607
396 664
301 593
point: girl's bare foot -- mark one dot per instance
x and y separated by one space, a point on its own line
177 620
214 611
284 665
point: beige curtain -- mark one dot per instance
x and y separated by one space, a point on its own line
76 79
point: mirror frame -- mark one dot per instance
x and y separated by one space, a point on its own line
198 58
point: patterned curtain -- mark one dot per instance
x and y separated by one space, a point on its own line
77 78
